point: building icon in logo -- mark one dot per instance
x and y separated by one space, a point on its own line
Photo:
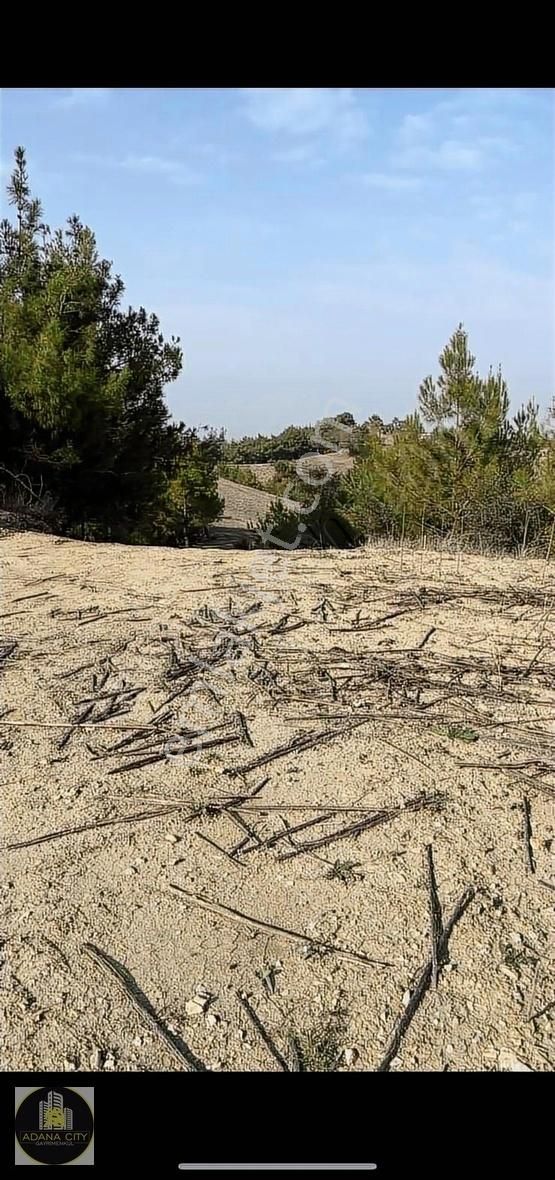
53 1115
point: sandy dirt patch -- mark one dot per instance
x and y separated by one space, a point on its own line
366 682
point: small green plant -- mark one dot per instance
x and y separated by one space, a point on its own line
516 958
461 733
319 1049
345 871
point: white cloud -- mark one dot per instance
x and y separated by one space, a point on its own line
391 182
173 169
302 153
466 131
307 111
84 96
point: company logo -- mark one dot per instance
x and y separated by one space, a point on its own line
54 1126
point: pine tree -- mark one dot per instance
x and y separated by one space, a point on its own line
82 408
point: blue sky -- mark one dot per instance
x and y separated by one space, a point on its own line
313 248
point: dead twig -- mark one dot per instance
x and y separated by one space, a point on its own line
207 839
380 817
422 984
527 817
231 915
436 918
137 817
264 1036
126 984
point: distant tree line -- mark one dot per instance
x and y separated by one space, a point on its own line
458 469
339 432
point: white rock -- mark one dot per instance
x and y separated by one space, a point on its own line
195 1007
350 1056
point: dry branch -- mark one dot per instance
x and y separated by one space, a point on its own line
231 915
422 984
179 1051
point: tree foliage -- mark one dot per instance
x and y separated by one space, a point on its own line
82 379
459 467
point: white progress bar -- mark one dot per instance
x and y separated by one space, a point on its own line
278 1167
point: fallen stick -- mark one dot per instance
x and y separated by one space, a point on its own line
124 610
76 725
231 915
99 823
304 742
368 625
425 639
380 817
527 817
140 762
287 832
256 808
264 1036
183 1056
207 839
436 917
422 983
249 836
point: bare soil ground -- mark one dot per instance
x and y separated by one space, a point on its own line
417 691
243 507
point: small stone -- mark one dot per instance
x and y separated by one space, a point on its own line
194 1007
109 1061
70 1064
96 1059
137 1042
198 1004
516 939
171 838
212 1019
350 1056
406 998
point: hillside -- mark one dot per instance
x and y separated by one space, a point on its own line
331 716
243 506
